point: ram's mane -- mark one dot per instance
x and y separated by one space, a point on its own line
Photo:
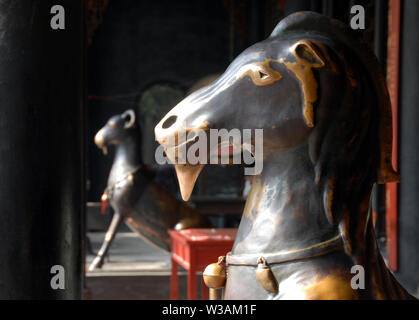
351 146
310 24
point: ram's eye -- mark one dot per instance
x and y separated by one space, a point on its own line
263 75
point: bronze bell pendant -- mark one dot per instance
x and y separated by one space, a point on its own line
215 277
265 276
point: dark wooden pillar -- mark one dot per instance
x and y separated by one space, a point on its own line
408 217
41 148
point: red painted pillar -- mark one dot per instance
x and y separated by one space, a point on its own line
393 60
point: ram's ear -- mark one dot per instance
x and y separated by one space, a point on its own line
129 117
308 51
308 57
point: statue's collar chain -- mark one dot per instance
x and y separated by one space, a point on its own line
108 193
215 277
315 250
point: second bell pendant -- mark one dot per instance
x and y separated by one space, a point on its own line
265 276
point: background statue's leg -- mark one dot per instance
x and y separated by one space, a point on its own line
109 237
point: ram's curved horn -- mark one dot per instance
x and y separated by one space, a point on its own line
131 115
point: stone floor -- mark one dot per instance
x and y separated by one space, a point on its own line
129 253
134 269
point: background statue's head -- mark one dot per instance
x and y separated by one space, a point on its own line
117 129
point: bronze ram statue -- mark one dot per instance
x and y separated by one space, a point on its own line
320 97
133 192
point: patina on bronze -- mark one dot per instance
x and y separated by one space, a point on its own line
320 96
132 191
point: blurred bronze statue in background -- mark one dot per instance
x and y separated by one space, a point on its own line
134 191
319 95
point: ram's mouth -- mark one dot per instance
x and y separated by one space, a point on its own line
101 145
100 141
224 149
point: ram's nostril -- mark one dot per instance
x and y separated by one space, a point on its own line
169 122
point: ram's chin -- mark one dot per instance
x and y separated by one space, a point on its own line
187 175
105 150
